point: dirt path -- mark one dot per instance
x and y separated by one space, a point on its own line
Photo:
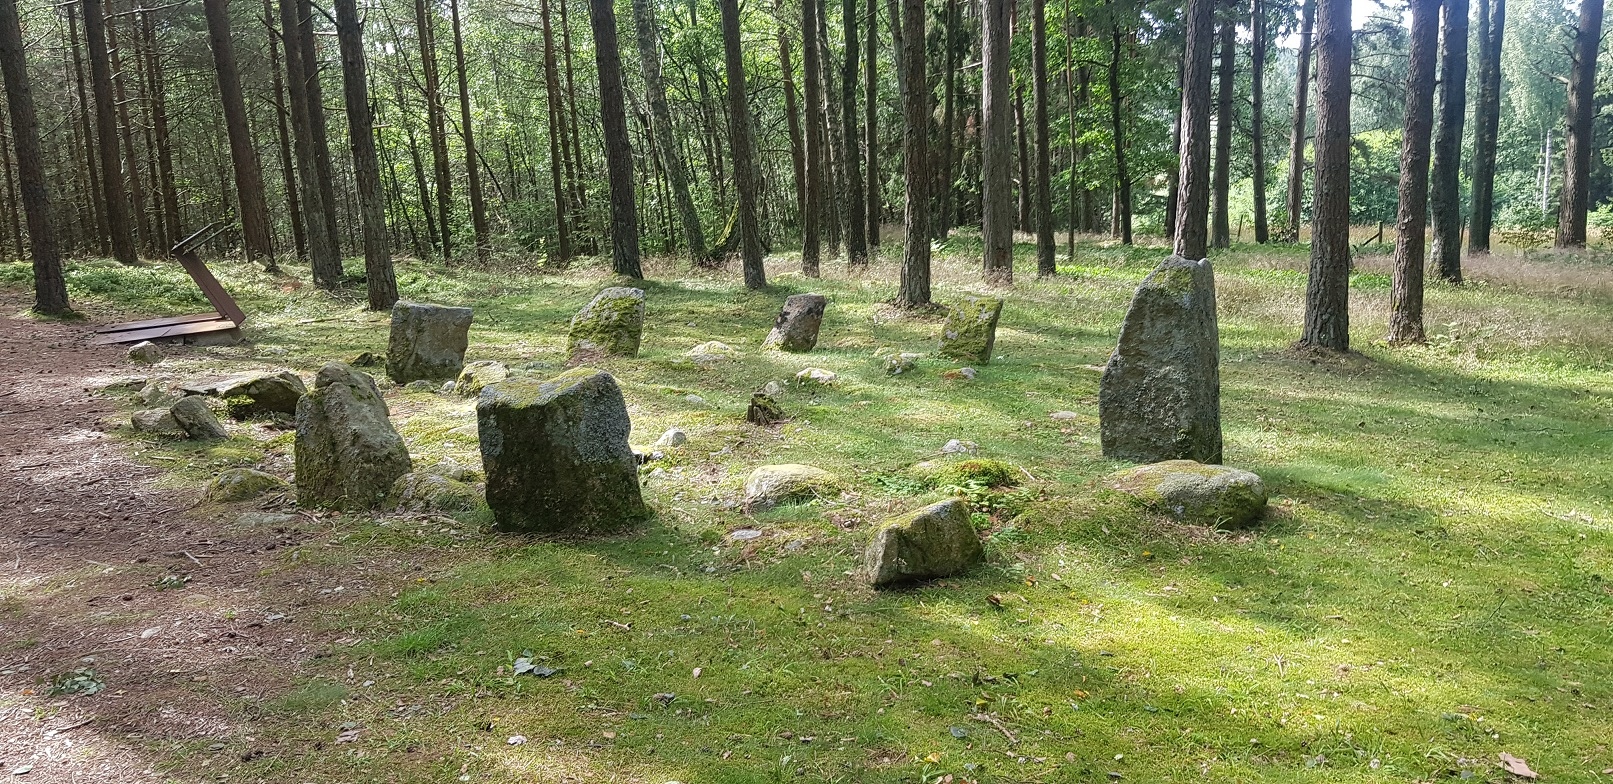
178 623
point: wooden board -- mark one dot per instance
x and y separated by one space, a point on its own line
226 315
216 295
158 322
165 331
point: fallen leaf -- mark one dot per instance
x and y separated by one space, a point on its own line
1517 767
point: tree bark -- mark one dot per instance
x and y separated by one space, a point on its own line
473 177
254 210
792 116
1574 205
106 121
741 143
1221 221
815 160
1296 139
1257 116
1486 121
157 106
319 135
1193 179
1040 179
677 171
1445 195
50 288
944 192
997 152
557 139
97 197
380 281
1406 289
618 150
1117 121
323 256
436 124
1023 218
1327 295
875 199
131 164
287 161
914 289
856 206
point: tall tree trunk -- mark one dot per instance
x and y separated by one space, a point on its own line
287 161
834 162
1257 115
1486 121
740 142
1221 220
1327 295
1406 290
557 136
1296 139
381 284
1173 177
914 290
1089 199
945 192
323 255
1043 174
815 160
473 177
579 189
131 163
996 143
1076 158
1117 123
254 210
157 107
1193 189
1445 194
50 288
856 206
792 116
1023 218
875 199
666 142
1575 201
319 135
436 124
106 121
87 119
618 150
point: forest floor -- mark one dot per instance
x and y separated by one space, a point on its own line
1432 589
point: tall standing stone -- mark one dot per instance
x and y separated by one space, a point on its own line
428 342
610 325
556 454
796 328
1160 398
347 454
970 331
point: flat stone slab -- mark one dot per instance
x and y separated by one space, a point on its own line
1209 495
772 485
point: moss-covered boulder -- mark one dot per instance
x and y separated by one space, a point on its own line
796 327
970 331
1210 495
789 483
712 352
241 484
427 341
983 471
936 541
256 395
155 421
196 418
557 456
347 453
480 375
428 491
610 325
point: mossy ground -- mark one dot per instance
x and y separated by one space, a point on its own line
1434 585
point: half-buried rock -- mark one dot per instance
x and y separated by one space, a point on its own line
1209 495
970 331
197 420
241 484
611 325
479 375
427 342
790 483
347 453
264 394
556 454
936 541
796 328
1160 397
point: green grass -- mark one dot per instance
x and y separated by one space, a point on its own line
1433 586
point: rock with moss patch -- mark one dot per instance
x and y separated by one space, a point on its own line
956 471
970 331
258 395
814 375
156 421
196 418
936 541
479 375
796 327
145 353
153 394
772 485
1160 397
427 341
427 491
557 456
421 387
610 325
242 484
347 453
897 364
712 352
1211 495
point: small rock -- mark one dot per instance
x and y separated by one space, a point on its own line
956 447
427 341
145 353
960 374
672 437
897 364
425 491
745 535
421 387
763 410
773 388
610 325
712 352
459 473
1063 416
197 420
156 421
241 484
694 400
154 394
815 376
970 330
365 359
264 519
796 327
1193 492
478 375
937 541
263 394
771 485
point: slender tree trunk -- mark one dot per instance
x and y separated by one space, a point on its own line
1089 200
106 121
1406 290
812 240
945 192
740 142
618 151
1076 158
557 158
131 163
50 288
875 199
323 256
1040 179
1445 193
381 283
319 135
254 210
12 206
1296 139
1327 296
436 124
833 142
666 143
98 199
579 189
856 206
1023 218
1486 121
997 152
1221 220
1173 177
1574 204
1118 131
792 116
473 177
1193 199
1257 116
157 100
281 111
914 290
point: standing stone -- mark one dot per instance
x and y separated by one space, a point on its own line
428 341
195 417
1160 398
556 454
970 331
610 325
347 454
796 328
936 541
